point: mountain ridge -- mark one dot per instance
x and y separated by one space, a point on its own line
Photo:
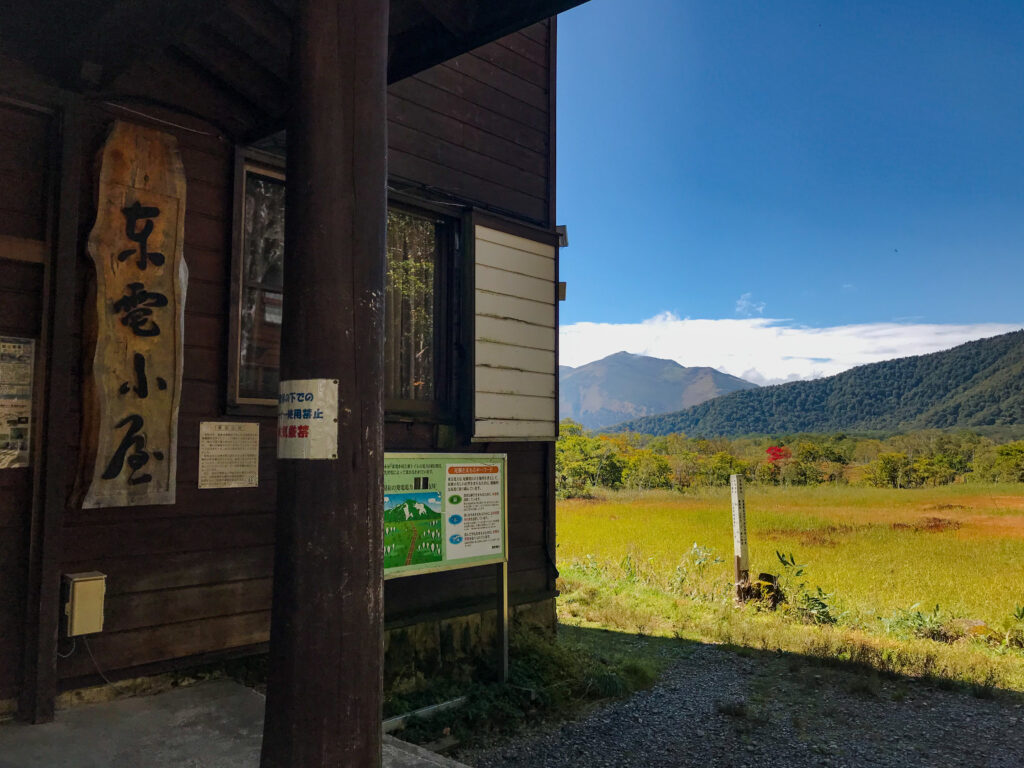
979 383
410 510
624 385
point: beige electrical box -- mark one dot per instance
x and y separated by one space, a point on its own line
84 606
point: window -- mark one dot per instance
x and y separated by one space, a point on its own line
420 249
259 284
410 331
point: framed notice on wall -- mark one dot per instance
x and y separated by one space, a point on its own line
17 360
229 454
443 511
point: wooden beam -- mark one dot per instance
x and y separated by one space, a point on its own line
264 37
246 78
42 619
23 249
124 32
325 679
457 16
414 51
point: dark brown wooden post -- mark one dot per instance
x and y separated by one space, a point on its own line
324 689
42 622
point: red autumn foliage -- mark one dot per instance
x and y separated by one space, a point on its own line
778 453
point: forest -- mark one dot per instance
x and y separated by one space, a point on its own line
585 462
977 384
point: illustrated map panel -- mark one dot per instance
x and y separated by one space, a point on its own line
443 511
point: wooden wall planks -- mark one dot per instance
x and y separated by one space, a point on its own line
478 126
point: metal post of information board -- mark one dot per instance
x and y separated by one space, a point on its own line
503 621
503 610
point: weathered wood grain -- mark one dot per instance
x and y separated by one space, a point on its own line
134 384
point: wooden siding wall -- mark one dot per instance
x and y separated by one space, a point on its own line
515 338
193 578
478 127
25 177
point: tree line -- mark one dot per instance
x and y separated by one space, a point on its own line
584 462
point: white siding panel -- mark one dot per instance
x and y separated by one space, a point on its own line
515 332
509 307
490 406
502 429
516 336
510 356
509 382
515 261
514 242
511 284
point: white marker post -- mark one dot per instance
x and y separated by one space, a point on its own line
739 535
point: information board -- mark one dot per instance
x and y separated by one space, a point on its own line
443 511
17 359
229 454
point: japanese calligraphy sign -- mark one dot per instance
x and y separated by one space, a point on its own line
307 419
134 387
443 511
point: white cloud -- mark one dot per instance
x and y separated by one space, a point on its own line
764 350
746 306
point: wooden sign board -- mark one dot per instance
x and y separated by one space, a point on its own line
131 423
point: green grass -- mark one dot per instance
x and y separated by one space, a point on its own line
885 557
398 538
549 679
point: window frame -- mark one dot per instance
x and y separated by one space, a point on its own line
265 164
448 284
439 407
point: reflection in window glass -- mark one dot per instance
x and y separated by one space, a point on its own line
409 307
410 303
262 280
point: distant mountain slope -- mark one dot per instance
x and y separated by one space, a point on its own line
410 510
623 386
975 384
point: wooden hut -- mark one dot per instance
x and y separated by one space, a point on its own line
260 99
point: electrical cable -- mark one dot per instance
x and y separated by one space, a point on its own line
106 679
160 120
69 653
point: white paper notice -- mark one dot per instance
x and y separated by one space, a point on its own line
307 419
229 454
473 508
17 359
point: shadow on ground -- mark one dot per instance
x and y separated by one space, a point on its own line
725 705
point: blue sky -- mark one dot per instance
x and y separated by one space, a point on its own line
790 169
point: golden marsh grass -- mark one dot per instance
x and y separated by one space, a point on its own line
961 547
876 550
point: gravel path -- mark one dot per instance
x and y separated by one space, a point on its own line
715 707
